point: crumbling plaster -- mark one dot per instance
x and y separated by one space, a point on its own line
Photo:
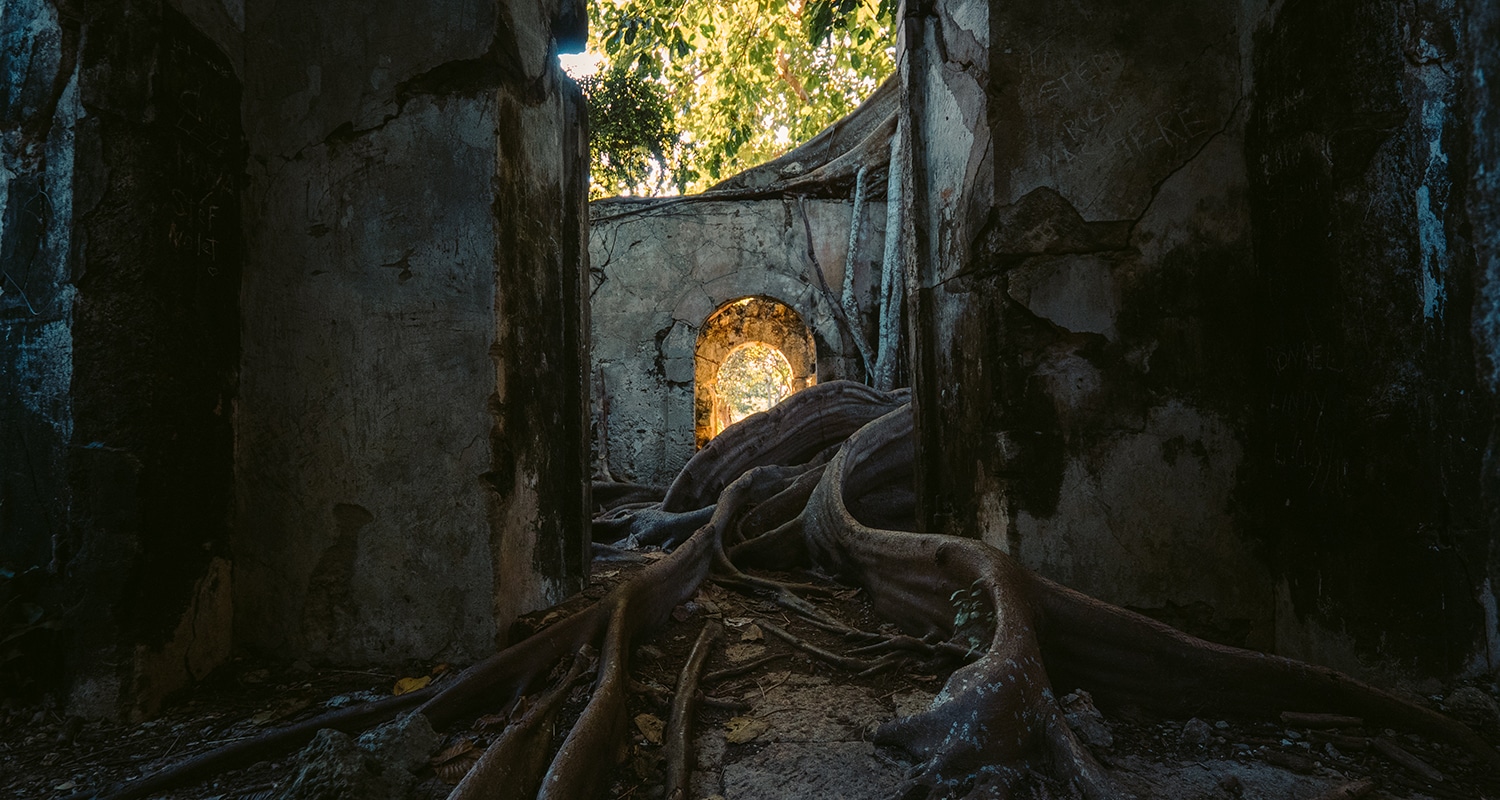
410 450
658 275
1176 261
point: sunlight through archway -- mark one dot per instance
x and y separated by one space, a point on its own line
753 377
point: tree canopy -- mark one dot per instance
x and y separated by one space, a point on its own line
753 378
692 91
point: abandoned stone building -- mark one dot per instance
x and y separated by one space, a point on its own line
312 347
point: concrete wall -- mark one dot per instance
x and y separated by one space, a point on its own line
1195 336
119 189
1479 63
383 457
658 275
410 448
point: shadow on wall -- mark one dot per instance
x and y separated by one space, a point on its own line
721 374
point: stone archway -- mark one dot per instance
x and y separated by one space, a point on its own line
729 328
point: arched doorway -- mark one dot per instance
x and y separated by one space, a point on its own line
751 353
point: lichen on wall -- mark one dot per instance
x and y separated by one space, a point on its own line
36 291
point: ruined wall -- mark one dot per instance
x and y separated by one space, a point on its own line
1192 315
658 275
411 462
120 333
1368 453
1477 66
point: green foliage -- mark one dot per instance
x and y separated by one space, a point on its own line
745 80
633 143
753 378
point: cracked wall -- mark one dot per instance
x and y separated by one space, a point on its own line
658 274
410 425
122 163
1192 315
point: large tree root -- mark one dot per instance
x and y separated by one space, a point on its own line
762 487
999 713
678 739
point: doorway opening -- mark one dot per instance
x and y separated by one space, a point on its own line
753 377
752 353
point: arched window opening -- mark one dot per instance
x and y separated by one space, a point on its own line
753 377
752 353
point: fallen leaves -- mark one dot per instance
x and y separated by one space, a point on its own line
406 685
453 762
739 730
650 726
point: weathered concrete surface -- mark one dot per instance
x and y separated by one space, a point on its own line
1367 444
36 291
1192 320
410 425
813 743
1477 80
659 275
122 154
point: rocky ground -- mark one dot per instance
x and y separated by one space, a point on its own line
792 725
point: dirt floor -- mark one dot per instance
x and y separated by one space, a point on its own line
791 726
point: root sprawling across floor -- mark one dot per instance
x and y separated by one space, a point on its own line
815 497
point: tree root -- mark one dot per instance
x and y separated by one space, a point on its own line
995 727
678 742
741 669
792 432
999 712
512 765
856 665
649 526
609 495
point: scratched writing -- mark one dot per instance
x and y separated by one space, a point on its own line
1105 130
1092 115
201 107
1301 357
196 218
1083 76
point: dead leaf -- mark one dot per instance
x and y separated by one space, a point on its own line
709 606
263 717
650 727
454 771
739 730
653 555
737 653
411 684
609 573
439 669
490 722
752 633
738 622
452 751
